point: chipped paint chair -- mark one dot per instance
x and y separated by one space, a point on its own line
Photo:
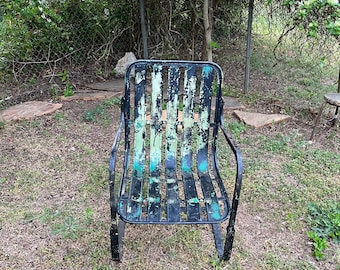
170 169
331 99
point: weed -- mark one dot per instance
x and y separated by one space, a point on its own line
2 124
3 180
325 223
111 102
88 215
237 128
49 215
68 91
100 112
90 116
32 80
59 116
54 89
319 245
69 229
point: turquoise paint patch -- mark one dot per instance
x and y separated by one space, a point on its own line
203 166
186 169
154 200
139 125
153 180
215 211
138 168
185 166
154 165
193 201
206 70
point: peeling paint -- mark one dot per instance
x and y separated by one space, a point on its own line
203 166
216 215
193 201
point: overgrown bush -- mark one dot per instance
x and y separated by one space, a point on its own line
45 32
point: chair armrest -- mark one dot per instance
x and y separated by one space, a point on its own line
236 195
115 145
112 168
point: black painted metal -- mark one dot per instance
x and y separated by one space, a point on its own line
182 184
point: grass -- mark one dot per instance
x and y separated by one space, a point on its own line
54 191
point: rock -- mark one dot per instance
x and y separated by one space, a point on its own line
123 63
28 110
116 85
91 96
258 119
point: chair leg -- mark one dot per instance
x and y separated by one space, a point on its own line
317 119
116 235
335 117
216 228
229 240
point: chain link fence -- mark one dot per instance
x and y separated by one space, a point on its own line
49 45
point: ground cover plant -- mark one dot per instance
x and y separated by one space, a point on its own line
54 199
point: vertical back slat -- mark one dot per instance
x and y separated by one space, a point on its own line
188 117
211 202
134 209
204 119
154 203
173 209
192 201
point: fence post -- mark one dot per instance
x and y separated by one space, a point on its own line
143 26
250 22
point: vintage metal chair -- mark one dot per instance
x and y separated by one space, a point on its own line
331 99
170 172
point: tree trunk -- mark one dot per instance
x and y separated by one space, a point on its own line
207 20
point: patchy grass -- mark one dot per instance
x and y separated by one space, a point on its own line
54 198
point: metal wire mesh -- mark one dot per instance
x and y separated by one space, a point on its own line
46 43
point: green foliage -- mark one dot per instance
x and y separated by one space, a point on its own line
100 112
325 223
48 30
68 229
88 216
315 16
319 245
236 129
68 91
214 45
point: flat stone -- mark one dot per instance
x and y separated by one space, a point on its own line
231 103
28 110
258 119
91 96
114 85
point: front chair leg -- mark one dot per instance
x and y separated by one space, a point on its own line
114 242
229 242
116 235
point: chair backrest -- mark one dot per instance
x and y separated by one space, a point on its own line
172 111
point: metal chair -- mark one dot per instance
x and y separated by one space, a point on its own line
170 172
331 99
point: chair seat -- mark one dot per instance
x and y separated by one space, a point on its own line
176 203
333 99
